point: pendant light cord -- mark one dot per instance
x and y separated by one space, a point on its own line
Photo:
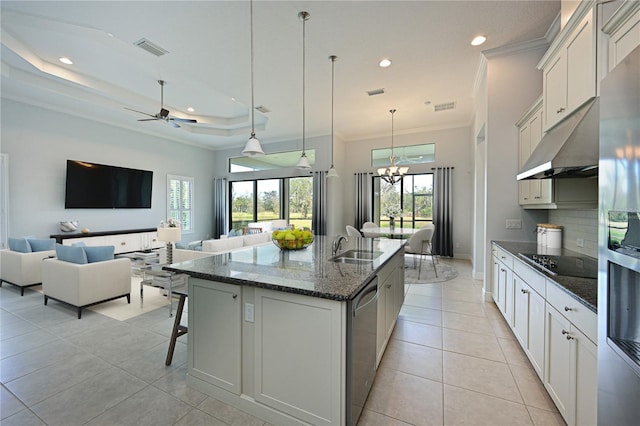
333 63
253 132
304 17
393 159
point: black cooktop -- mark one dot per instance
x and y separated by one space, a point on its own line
572 266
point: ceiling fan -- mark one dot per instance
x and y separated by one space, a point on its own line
164 113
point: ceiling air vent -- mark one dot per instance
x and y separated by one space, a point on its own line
445 106
375 92
263 109
150 47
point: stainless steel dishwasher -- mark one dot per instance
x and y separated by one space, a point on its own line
361 348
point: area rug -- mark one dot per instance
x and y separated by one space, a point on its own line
427 275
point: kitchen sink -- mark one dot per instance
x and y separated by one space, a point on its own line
357 257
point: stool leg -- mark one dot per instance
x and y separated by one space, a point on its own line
175 333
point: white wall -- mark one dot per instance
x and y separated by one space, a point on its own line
513 84
38 143
452 149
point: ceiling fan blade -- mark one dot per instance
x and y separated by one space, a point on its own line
140 112
183 120
173 124
148 119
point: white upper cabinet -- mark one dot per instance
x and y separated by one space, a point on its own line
569 67
623 32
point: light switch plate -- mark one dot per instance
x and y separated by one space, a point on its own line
248 312
514 224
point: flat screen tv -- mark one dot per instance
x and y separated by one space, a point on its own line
98 186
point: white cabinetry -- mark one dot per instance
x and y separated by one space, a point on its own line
623 32
390 300
569 68
535 191
556 332
299 347
215 338
123 242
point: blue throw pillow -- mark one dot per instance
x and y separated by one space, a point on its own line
20 245
99 253
71 254
42 244
79 244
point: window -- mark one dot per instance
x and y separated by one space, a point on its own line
180 201
268 199
414 195
405 155
277 160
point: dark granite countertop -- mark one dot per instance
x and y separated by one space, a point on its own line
308 272
585 290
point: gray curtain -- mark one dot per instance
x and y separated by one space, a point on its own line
364 194
220 226
443 211
319 214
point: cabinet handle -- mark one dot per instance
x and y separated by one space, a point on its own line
567 309
569 336
503 257
235 296
123 243
536 197
524 291
560 110
503 270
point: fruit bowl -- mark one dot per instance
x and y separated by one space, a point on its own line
289 239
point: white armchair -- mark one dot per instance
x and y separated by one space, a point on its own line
83 285
420 244
22 269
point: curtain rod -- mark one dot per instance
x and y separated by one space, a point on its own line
436 168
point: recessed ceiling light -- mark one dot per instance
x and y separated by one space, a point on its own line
190 109
65 60
384 63
478 40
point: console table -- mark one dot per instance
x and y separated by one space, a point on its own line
124 241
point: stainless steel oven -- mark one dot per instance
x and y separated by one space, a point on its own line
619 245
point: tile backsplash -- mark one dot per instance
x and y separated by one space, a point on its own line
578 224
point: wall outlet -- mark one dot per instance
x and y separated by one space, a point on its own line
248 312
579 242
514 224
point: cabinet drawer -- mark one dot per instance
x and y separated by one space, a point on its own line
505 257
529 275
581 316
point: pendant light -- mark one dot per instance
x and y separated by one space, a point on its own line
392 174
332 173
253 147
303 162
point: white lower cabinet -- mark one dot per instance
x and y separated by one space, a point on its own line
298 355
571 370
390 300
528 323
556 332
215 338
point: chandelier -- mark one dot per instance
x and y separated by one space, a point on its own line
392 174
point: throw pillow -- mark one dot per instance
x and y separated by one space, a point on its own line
71 254
99 253
20 245
79 244
42 244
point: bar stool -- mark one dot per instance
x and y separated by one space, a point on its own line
178 329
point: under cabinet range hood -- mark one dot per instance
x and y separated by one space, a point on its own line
568 150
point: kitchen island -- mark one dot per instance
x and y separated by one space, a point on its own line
270 330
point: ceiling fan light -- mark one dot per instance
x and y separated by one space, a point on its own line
253 147
303 162
403 170
332 173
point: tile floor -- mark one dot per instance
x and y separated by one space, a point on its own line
451 360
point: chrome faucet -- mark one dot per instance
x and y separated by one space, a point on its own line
337 244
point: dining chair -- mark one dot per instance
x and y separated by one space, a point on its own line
420 244
353 232
369 234
252 230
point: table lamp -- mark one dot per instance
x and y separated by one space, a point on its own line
169 235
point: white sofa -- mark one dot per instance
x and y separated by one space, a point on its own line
181 255
83 285
225 245
22 269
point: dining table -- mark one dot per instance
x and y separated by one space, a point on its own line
395 232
